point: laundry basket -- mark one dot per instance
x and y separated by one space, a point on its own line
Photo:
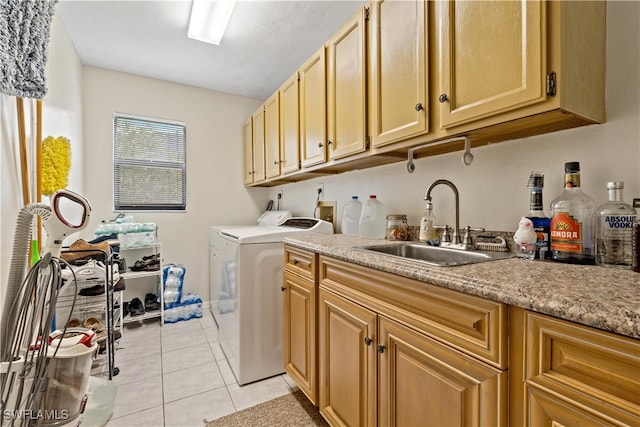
68 375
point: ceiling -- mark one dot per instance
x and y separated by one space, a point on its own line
265 41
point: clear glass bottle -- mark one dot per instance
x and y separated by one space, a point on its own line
614 229
397 227
571 230
427 224
541 222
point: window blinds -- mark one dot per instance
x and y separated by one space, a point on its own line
149 164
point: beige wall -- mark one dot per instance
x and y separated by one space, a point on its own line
493 191
215 193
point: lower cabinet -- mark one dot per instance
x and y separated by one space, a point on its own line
565 374
377 366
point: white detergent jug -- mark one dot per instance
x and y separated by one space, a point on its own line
351 217
373 219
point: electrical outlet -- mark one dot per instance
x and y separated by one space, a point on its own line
320 190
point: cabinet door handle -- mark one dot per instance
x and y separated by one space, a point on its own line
419 106
380 348
295 262
282 288
443 98
329 142
275 162
368 340
320 145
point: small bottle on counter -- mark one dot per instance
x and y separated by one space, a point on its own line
614 229
427 224
541 221
571 230
635 242
397 227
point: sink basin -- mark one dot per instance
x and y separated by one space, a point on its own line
435 255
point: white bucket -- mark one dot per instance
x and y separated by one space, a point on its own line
67 375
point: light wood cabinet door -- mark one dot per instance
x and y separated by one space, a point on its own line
422 381
272 135
300 299
572 374
399 104
347 361
313 110
346 88
289 126
247 132
258 148
492 57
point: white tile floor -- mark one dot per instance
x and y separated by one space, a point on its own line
177 375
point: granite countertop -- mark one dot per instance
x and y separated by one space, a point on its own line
607 299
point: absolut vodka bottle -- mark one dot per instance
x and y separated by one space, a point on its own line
541 221
614 229
571 229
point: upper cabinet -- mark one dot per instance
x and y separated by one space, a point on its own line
403 74
511 69
492 58
258 149
398 55
289 126
247 132
346 88
272 135
313 102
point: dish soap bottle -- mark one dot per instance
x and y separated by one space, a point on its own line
427 224
572 221
614 223
541 221
373 222
351 217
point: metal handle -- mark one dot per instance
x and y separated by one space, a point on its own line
443 98
368 340
275 162
419 106
320 145
295 262
329 142
380 348
282 288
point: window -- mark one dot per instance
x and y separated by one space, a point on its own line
149 164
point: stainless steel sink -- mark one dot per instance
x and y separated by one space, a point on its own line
435 255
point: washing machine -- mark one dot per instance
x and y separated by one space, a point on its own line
249 271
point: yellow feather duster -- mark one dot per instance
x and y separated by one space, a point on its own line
56 163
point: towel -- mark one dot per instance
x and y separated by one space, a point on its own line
24 36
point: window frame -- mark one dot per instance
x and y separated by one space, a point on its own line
117 161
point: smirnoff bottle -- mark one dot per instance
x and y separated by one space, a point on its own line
614 223
572 221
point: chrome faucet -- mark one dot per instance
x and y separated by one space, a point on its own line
456 232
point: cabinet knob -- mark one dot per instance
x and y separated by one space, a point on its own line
282 288
329 142
295 262
443 98
275 162
320 145
380 348
368 340
419 106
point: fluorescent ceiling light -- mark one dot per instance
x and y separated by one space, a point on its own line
209 19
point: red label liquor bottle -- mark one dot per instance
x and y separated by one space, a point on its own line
571 228
541 221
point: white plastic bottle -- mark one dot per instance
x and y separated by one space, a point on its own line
373 223
351 217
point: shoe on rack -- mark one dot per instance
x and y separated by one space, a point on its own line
147 263
135 307
119 286
92 291
102 338
151 302
80 249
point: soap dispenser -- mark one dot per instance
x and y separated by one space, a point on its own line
427 224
